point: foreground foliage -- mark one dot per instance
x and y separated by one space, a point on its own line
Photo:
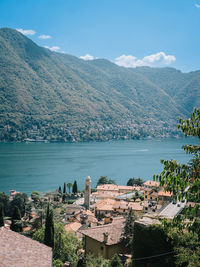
65 244
183 180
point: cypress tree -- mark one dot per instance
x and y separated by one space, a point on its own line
64 189
75 188
59 190
16 224
1 215
128 229
49 228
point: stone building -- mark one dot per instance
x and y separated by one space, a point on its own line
105 240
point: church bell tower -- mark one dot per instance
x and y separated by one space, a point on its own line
87 192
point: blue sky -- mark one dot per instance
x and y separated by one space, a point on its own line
128 32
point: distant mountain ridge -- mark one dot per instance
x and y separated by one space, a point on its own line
59 97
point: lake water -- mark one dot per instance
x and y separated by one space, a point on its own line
43 167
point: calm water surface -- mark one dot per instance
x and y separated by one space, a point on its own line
43 167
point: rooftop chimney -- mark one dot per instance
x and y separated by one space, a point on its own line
105 237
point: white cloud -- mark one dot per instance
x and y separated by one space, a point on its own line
26 32
159 59
43 36
53 48
87 57
197 5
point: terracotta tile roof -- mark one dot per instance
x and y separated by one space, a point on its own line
135 206
147 189
26 229
73 226
138 200
90 216
72 208
20 251
191 204
151 183
164 193
155 194
105 207
92 219
114 231
111 204
121 205
105 194
105 204
126 187
113 187
107 187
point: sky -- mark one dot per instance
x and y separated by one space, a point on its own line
130 33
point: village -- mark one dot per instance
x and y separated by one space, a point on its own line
97 219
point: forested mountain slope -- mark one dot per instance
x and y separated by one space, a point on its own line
58 97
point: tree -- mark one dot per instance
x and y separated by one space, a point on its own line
64 188
69 185
185 240
16 224
135 181
105 180
35 195
116 262
148 241
65 244
1 215
134 198
38 221
75 188
183 180
60 190
127 234
49 228
92 261
19 200
4 199
58 263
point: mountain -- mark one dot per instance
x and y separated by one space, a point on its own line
59 97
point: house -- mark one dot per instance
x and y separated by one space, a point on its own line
84 217
72 227
151 207
112 191
153 196
20 251
136 207
164 196
147 192
151 184
104 206
105 240
111 206
13 192
125 207
71 210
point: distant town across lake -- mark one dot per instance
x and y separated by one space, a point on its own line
43 167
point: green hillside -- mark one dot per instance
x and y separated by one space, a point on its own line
58 97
